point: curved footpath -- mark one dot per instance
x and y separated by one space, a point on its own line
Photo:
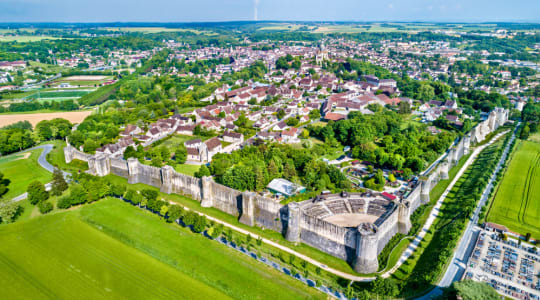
457 265
42 160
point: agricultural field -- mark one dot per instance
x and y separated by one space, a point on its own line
26 38
111 249
21 169
152 29
72 116
517 201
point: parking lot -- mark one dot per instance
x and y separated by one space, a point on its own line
513 269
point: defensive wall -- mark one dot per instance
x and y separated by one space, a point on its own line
358 245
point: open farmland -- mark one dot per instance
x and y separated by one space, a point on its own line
21 169
72 116
26 38
517 201
112 250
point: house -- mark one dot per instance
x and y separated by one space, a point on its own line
185 129
450 104
280 126
118 148
290 135
131 130
233 137
193 154
371 79
388 83
213 146
334 116
196 143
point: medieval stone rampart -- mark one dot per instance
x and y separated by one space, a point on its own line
360 246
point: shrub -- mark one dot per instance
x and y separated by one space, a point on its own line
64 202
36 192
45 207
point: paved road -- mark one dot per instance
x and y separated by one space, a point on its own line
457 265
42 160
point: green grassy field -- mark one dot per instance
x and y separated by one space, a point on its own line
187 169
21 171
26 38
58 94
111 249
535 137
277 237
517 202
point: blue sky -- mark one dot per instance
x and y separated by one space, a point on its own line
306 10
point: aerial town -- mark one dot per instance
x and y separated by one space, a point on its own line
301 160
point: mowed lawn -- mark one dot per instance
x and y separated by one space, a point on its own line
517 202
22 169
111 250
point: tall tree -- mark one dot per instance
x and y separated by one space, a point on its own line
59 184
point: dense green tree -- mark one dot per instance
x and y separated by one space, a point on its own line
180 155
200 223
426 92
36 192
9 210
202 172
175 212
470 290
404 108
524 134
45 207
4 182
58 184
150 195
314 114
130 152
118 190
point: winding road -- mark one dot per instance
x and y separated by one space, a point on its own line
42 160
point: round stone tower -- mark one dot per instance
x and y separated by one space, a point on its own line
404 217
367 242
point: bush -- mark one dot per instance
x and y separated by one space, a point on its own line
150 195
45 207
200 223
36 192
64 202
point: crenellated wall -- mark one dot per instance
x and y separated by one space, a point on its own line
358 246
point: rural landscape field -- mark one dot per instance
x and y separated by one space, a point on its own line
117 251
517 201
